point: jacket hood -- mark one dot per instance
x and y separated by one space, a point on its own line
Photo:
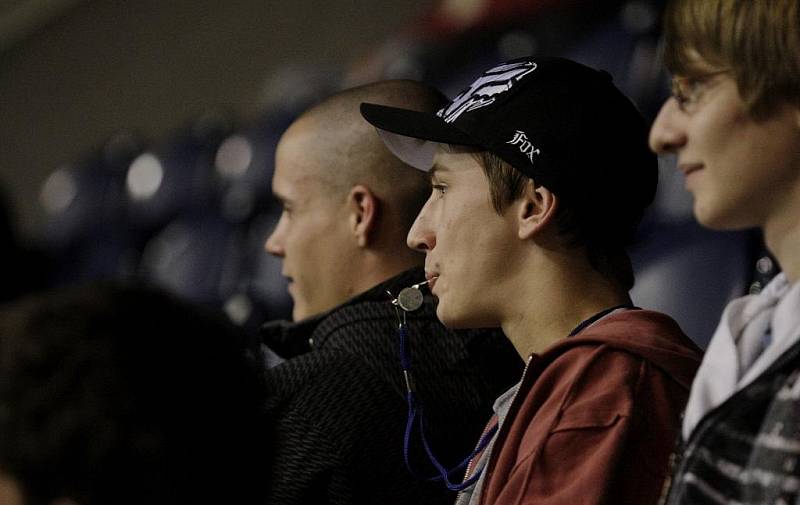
652 335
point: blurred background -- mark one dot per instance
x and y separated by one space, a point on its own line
137 138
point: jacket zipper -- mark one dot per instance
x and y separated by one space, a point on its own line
496 435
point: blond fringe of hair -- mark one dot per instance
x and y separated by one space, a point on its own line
757 40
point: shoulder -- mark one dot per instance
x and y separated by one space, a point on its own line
600 385
583 378
361 318
596 377
324 367
320 379
591 365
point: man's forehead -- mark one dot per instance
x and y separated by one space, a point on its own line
291 183
298 161
448 160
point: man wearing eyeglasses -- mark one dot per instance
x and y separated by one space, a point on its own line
734 124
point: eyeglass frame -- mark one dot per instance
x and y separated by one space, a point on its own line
679 87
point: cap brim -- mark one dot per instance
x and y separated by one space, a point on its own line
411 135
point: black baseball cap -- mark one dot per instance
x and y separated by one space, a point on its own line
561 123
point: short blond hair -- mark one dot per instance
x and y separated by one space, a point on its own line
758 40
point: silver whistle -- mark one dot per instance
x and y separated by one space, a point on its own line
410 299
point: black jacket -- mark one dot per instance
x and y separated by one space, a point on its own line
338 404
754 432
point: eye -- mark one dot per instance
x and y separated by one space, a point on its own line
439 188
694 86
688 91
685 90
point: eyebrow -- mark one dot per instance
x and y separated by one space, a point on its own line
436 169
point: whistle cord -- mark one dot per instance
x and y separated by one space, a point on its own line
415 410
416 416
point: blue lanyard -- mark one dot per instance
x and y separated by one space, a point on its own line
415 408
416 417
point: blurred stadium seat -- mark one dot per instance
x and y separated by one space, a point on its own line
192 213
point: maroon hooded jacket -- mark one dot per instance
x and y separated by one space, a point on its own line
596 416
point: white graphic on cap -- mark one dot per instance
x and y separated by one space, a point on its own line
485 89
525 145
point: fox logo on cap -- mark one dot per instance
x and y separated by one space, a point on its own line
485 89
525 146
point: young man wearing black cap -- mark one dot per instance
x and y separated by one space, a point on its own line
540 173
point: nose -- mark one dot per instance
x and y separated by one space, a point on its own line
274 243
668 133
421 237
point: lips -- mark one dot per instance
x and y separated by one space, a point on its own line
689 168
431 278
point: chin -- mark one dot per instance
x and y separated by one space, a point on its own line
708 222
719 219
448 319
462 319
299 312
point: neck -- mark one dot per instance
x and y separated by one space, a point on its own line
565 293
783 241
781 225
377 267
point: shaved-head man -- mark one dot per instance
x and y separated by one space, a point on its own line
339 401
346 206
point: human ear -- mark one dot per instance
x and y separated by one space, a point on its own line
535 209
363 208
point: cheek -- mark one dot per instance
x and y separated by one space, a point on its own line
456 238
725 133
302 243
469 249
708 136
293 240
742 154
310 227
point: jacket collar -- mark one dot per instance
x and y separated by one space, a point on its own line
290 339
